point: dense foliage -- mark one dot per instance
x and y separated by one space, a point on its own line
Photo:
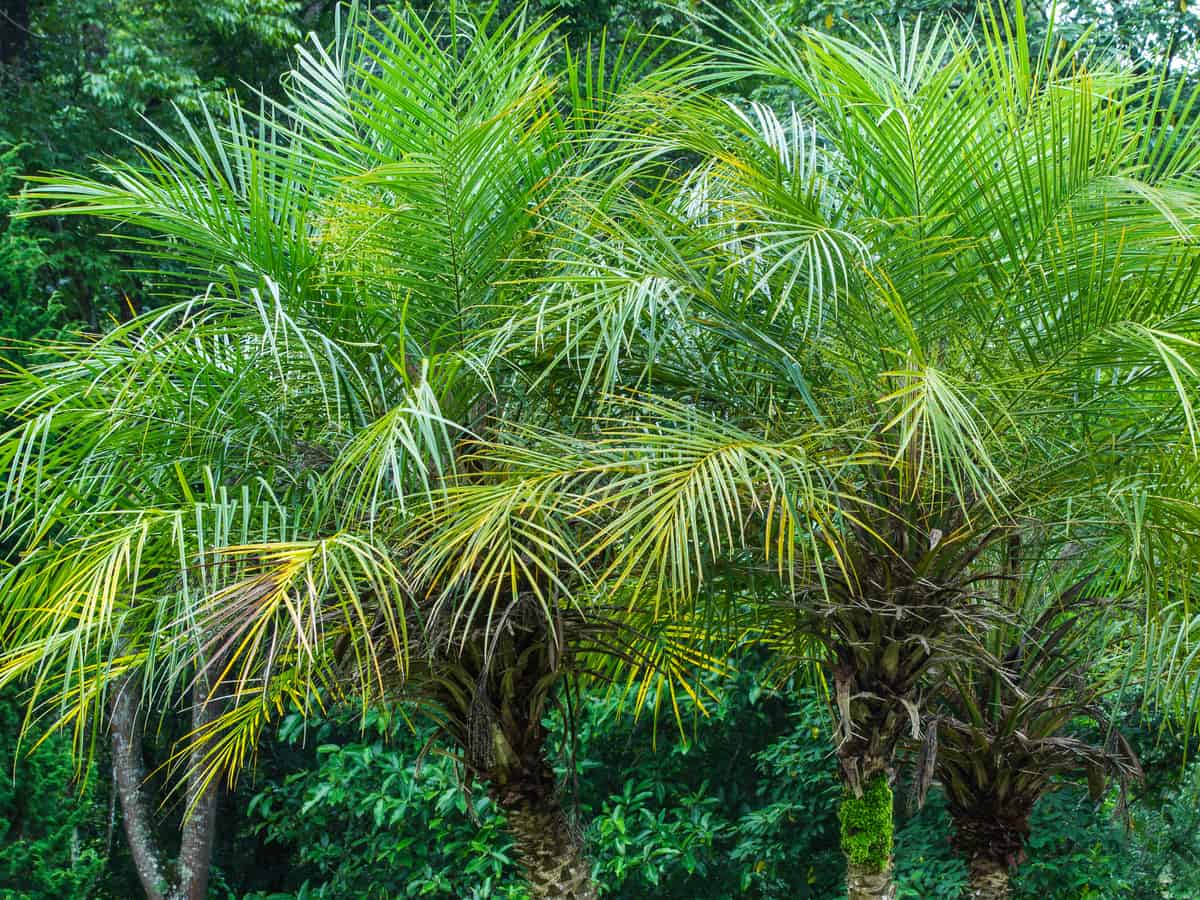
741 795
744 807
76 76
54 826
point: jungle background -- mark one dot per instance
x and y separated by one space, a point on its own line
740 805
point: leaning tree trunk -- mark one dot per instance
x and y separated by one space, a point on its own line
190 881
200 819
548 845
129 775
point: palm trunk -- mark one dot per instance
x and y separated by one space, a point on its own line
548 846
991 840
129 774
866 882
989 879
199 827
866 833
867 735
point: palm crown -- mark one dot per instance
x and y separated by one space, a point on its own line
274 489
903 341
873 354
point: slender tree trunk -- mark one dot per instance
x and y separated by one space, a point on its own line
549 847
129 774
866 882
200 821
989 879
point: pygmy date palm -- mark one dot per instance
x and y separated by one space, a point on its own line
941 298
262 492
1006 727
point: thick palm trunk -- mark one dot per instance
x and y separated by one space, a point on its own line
989 879
865 882
991 840
867 734
866 835
548 846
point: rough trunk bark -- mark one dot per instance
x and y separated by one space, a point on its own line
991 839
989 879
199 826
129 774
549 847
865 882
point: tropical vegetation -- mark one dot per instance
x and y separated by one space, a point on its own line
694 443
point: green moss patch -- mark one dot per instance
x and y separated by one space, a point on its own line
867 825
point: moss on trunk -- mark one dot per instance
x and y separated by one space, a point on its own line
867 825
866 836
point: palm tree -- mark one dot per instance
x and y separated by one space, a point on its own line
867 346
488 625
1008 726
267 491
